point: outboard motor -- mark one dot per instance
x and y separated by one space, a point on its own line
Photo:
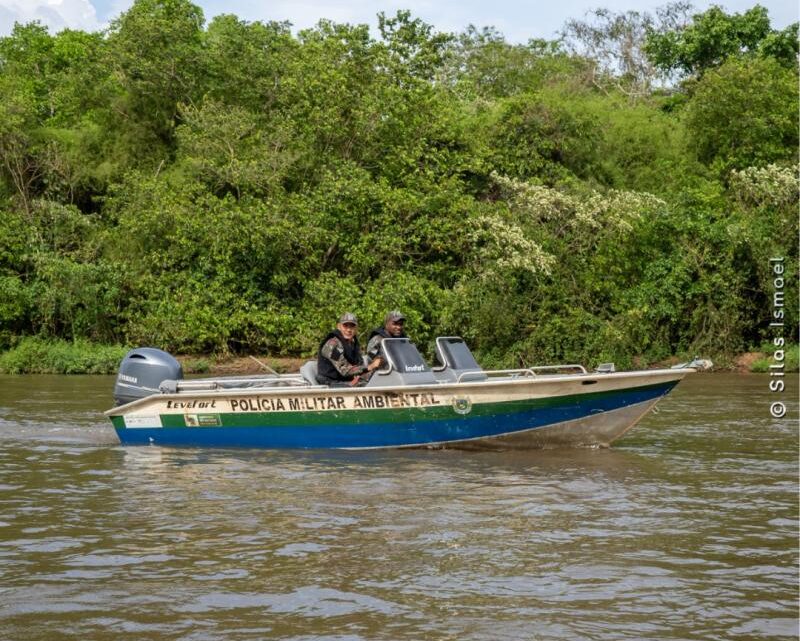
141 372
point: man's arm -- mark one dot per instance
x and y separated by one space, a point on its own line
374 347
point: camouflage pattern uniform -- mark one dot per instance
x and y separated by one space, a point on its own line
374 346
333 350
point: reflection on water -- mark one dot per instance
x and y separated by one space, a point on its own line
687 529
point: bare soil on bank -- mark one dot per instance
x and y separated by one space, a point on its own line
239 365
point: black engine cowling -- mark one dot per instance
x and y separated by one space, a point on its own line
141 372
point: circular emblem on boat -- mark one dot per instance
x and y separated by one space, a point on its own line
462 405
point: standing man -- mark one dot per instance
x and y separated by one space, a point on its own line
393 327
339 362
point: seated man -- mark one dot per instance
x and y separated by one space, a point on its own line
339 362
393 327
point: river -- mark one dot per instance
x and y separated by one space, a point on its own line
686 529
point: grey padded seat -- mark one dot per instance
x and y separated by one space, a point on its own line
457 361
309 372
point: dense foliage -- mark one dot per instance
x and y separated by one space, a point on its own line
233 186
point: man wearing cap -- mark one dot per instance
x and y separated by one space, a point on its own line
339 362
393 327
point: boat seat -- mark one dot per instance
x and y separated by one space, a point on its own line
456 361
309 372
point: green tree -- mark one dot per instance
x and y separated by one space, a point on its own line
744 113
542 136
415 49
156 50
714 36
231 149
24 105
249 63
52 108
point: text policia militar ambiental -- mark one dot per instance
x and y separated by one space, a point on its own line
317 403
777 383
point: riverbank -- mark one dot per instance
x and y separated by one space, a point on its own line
38 356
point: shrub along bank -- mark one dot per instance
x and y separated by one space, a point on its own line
41 356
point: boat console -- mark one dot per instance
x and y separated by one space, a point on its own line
405 365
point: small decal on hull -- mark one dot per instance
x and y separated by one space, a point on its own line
202 420
142 421
462 405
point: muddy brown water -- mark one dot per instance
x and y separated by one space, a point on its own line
686 529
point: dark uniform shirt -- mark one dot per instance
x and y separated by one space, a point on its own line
338 360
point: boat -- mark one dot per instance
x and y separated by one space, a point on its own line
407 404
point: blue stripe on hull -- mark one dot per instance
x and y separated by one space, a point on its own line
415 433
